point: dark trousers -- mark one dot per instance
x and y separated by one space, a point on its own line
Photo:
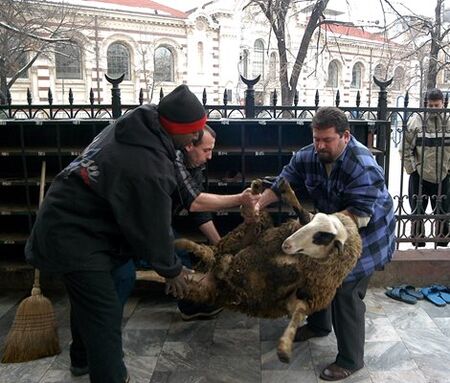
347 315
428 190
95 323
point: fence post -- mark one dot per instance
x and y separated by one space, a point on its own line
115 95
250 96
384 135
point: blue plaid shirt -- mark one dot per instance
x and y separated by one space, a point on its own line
356 183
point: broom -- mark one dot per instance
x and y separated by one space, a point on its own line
33 334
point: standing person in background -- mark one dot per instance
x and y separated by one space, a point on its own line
339 174
111 203
426 158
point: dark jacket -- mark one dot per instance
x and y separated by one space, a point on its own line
112 202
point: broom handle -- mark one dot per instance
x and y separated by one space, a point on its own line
37 273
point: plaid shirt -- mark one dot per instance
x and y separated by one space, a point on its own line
356 183
189 186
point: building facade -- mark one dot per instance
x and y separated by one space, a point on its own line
209 47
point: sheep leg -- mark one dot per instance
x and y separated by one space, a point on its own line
297 308
202 288
288 196
205 253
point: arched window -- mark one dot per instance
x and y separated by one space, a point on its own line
68 61
333 74
118 57
399 78
200 57
357 73
380 72
273 65
163 61
244 63
258 59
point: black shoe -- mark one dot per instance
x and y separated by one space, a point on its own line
334 372
198 311
304 333
442 244
79 371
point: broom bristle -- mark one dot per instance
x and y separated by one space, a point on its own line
33 334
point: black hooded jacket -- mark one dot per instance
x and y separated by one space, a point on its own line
112 202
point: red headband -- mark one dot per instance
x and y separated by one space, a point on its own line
182 127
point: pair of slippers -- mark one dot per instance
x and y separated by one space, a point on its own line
405 293
436 294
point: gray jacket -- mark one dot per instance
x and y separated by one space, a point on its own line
427 151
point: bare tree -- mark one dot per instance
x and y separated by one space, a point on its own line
28 29
276 13
429 34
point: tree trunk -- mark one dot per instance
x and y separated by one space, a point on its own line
435 46
289 86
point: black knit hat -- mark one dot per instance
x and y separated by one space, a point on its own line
181 112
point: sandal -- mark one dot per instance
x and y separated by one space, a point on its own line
400 294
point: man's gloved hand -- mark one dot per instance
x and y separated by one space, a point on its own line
177 286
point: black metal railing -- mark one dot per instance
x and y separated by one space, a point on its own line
381 128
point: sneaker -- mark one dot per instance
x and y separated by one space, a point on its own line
190 311
79 371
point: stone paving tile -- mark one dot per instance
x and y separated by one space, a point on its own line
405 343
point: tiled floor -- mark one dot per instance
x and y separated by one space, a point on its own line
404 343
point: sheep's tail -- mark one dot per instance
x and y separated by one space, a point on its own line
288 196
204 252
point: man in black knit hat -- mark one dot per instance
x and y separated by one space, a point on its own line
111 203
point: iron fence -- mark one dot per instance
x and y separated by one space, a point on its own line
422 212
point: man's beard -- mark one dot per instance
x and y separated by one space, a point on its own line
325 157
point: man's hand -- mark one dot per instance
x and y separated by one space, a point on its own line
248 198
177 286
248 203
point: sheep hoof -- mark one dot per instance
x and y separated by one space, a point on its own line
284 356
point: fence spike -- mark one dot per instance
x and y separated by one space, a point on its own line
358 99
29 98
406 101
296 98
225 97
91 97
274 98
425 100
8 97
161 94
204 96
141 96
70 96
50 97
338 98
316 98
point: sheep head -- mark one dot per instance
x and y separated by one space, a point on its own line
318 238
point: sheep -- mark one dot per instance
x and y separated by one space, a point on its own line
288 270
248 232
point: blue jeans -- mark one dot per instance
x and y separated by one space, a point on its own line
124 277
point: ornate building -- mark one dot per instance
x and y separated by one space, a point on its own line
156 46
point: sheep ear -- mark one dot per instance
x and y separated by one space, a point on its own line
339 246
